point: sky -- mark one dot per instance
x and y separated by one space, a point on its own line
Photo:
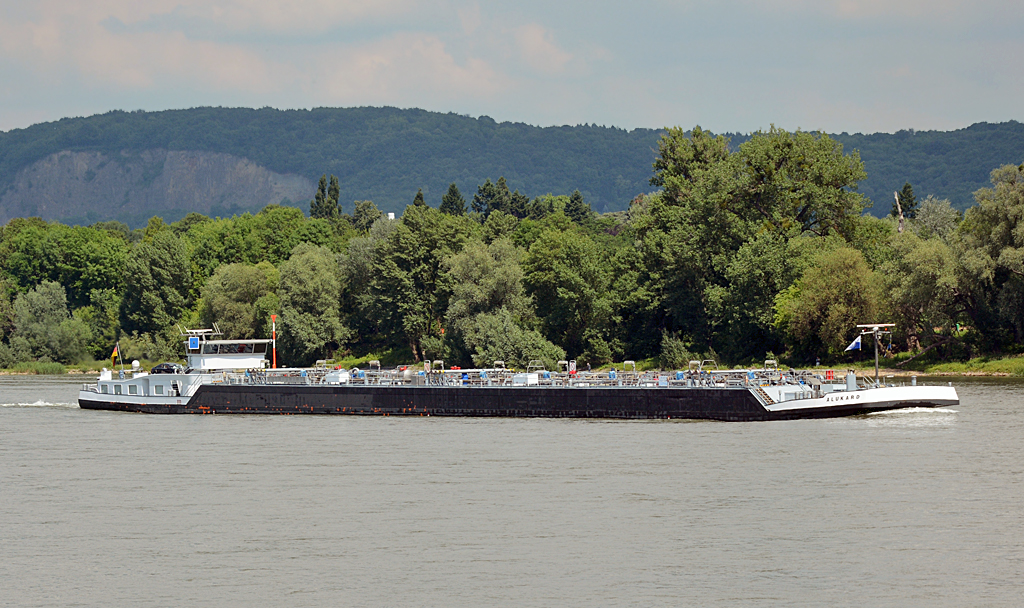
726 65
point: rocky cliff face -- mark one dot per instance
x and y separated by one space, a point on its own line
87 187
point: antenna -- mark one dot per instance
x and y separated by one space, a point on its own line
875 329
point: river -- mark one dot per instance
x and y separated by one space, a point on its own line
913 508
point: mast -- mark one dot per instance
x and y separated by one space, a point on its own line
875 329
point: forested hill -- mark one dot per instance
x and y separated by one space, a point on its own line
947 164
131 165
379 154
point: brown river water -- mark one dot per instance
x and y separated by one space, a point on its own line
910 508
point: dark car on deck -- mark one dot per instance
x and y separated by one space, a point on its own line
167 368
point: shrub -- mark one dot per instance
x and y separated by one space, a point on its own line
41 368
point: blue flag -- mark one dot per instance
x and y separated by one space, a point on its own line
855 345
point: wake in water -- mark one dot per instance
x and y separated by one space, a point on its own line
914 410
41 404
913 417
905 418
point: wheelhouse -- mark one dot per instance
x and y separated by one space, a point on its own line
203 355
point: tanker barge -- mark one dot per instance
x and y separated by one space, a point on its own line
231 377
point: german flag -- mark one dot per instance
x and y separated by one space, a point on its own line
113 356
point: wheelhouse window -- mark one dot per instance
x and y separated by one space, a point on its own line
233 348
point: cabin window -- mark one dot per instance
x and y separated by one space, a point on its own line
209 349
103 389
159 389
259 348
133 389
117 389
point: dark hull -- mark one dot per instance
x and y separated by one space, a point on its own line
731 404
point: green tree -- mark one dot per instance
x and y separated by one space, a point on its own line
452 202
994 225
418 199
543 206
687 233
492 196
483 278
154 226
357 265
489 315
230 297
675 354
166 346
334 196
79 258
310 291
799 182
991 245
639 311
272 234
365 215
121 230
577 210
936 218
404 280
6 311
908 203
325 203
102 318
714 201
44 330
566 276
180 227
762 267
498 336
518 205
818 312
499 225
158 280
923 289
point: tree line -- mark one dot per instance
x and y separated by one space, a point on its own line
739 251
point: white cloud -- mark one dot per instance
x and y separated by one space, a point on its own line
727 64
79 40
537 48
405 66
469 18
929 10
294 16
76 42
233 15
